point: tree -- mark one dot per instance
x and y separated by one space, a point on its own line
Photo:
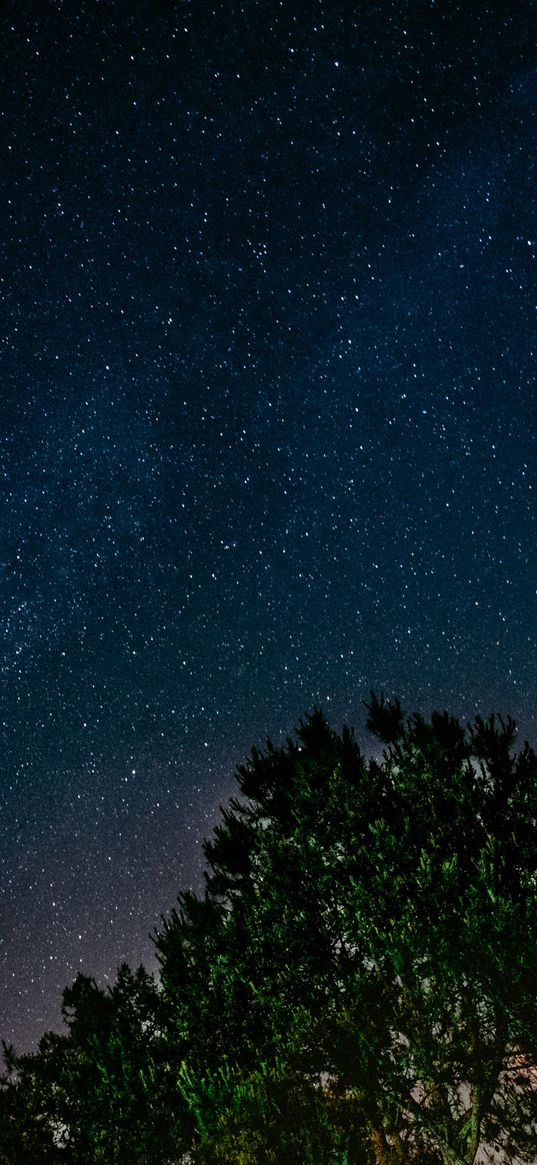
357 985
369 934
101 1093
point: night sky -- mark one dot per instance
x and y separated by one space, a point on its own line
268 422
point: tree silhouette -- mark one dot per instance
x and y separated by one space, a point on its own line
357 985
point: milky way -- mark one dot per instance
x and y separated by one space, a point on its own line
267 421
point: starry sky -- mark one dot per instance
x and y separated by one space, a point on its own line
268 420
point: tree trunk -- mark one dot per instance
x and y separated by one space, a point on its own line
380 1145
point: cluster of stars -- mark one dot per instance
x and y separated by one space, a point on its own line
267 423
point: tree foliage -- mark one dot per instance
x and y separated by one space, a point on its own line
357 984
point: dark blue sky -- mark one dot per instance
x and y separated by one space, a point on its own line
267 420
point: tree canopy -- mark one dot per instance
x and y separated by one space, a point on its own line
356 985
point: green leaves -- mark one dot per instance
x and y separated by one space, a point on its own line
353 986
